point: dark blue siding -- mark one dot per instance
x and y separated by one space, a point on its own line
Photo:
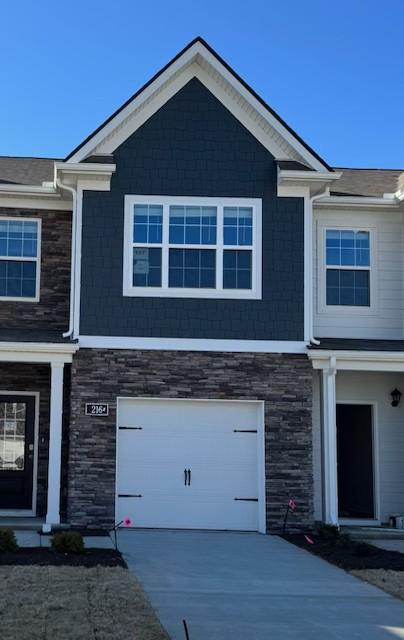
193 146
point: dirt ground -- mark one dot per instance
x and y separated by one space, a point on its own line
74 603
390 581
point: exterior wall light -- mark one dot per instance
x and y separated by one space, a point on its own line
396 397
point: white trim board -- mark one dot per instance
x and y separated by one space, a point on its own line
21 513
198 61
37 352
192 344
357 360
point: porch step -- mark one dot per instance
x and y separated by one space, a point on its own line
373 533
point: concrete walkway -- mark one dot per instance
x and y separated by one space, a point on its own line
235 586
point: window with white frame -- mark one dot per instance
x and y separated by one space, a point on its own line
192 247
19 259
348 264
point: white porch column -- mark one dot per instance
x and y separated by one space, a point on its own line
330 485
55 445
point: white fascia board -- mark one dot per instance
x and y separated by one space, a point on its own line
91 176
316 182
37 352
30 201
357 202
192 344
120 117
181 64
32 197
273 121
358 360
85 169
289 175
28 189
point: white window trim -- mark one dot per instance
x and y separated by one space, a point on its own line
36 259
173 292
345 310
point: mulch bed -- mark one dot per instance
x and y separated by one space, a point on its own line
349 554
43 556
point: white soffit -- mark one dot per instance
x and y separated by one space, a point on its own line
198 62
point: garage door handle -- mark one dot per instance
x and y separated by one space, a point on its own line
187 477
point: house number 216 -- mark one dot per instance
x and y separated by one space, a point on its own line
97 409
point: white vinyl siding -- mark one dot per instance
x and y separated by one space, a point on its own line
384 318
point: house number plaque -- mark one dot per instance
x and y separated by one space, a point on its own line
97 409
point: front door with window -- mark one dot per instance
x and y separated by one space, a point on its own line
17 419
355 461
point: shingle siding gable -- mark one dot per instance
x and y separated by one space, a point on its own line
192 146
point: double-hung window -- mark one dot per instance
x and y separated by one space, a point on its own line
19 259
192 247
348 265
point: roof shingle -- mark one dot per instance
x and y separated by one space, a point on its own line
29 171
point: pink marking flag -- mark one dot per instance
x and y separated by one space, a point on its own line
309 540
292 504
127 522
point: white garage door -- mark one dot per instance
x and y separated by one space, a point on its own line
190 464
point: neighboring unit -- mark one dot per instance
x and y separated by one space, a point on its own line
199 320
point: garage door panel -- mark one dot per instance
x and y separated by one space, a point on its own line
159 511
157 445
217 441
141 476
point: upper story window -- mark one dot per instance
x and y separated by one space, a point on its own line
19 259
192 247
347 267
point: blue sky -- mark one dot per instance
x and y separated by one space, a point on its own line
333 71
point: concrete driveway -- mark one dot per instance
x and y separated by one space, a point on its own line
233 586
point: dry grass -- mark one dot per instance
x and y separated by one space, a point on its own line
390 581
74 603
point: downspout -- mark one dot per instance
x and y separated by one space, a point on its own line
73 191
326 192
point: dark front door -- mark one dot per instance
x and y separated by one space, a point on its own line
17 418
355 461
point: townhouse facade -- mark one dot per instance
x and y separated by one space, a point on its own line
199 320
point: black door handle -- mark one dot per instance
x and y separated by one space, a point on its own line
185 477
189 477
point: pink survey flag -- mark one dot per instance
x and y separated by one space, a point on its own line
292 504
127 522
309 540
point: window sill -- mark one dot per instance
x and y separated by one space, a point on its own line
17 299
228 294
346 310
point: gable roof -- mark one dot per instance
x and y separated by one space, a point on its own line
29 171
199 51
367 182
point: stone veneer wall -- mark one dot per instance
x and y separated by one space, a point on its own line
283 381
35 377
52 310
